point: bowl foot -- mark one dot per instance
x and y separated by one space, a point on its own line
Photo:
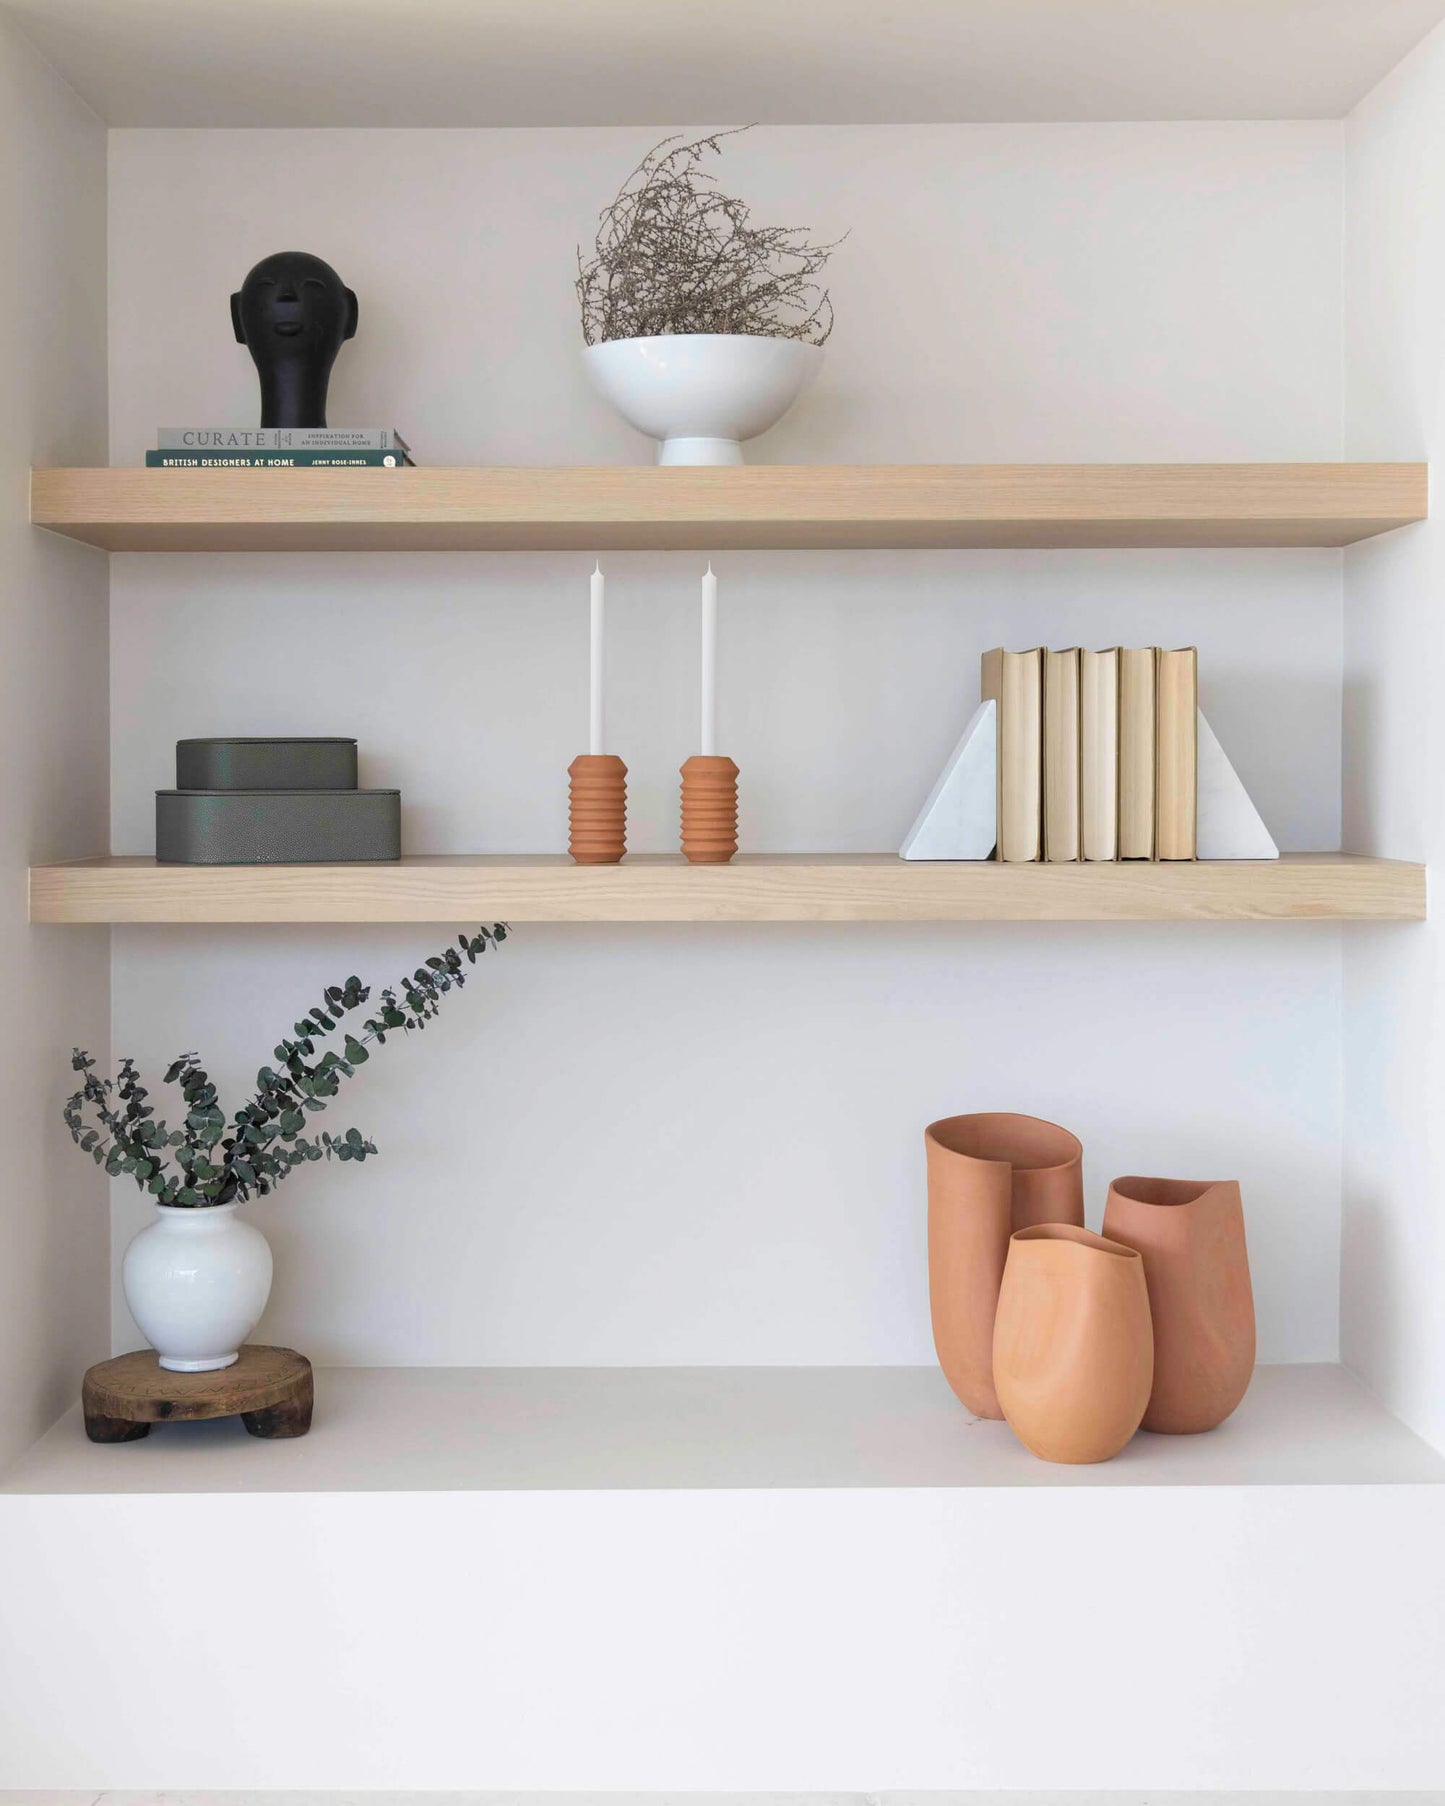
699 451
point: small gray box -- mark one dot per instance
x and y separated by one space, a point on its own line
294 764
276 827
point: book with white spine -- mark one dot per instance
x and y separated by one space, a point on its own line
1061 755
1176 784
1015 682
1099 754
1138 730
280 438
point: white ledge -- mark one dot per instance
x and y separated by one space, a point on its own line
448 1429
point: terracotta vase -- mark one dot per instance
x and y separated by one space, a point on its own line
1073 1351
987 1176
1191 1235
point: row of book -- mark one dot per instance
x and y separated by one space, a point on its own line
237 447
1098 752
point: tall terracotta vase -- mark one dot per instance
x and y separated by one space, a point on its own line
1191 1235
987 1176
1073 1352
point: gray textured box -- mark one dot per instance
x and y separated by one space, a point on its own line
312 763
276 827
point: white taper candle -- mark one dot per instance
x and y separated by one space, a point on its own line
709 663
595 726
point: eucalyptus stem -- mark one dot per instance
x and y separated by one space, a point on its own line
208 1161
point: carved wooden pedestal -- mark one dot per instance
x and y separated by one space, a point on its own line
269 1389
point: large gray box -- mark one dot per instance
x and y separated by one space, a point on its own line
268 764
277 827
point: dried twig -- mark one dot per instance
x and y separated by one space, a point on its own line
675 255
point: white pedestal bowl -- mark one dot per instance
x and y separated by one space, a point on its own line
701 394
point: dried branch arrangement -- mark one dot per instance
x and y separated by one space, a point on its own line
676 255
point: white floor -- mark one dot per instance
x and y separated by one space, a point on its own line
441 1429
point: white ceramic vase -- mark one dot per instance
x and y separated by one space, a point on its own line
701 394
197 1280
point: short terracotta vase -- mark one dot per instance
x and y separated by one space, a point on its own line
1073 1350
987 1176
1191 1236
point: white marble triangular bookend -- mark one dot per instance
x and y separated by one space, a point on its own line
1228 824
960 818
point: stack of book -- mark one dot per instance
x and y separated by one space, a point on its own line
1097 752
236 447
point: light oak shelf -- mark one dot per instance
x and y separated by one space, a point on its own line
847 887
758 506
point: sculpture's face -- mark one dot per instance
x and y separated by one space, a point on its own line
293 305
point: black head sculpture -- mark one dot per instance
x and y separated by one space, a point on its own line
292 313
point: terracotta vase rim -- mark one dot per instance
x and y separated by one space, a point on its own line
1080 1238
937 1132
1164 1194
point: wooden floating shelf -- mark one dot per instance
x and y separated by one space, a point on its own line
846 887
639 507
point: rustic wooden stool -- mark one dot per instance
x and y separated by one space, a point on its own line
269 1389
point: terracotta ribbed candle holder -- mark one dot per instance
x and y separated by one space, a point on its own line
1073 1349
987 1176
597 809
709 809
1191 1236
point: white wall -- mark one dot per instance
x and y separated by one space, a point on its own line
53 734
705 1146
1393 1326
1008 292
